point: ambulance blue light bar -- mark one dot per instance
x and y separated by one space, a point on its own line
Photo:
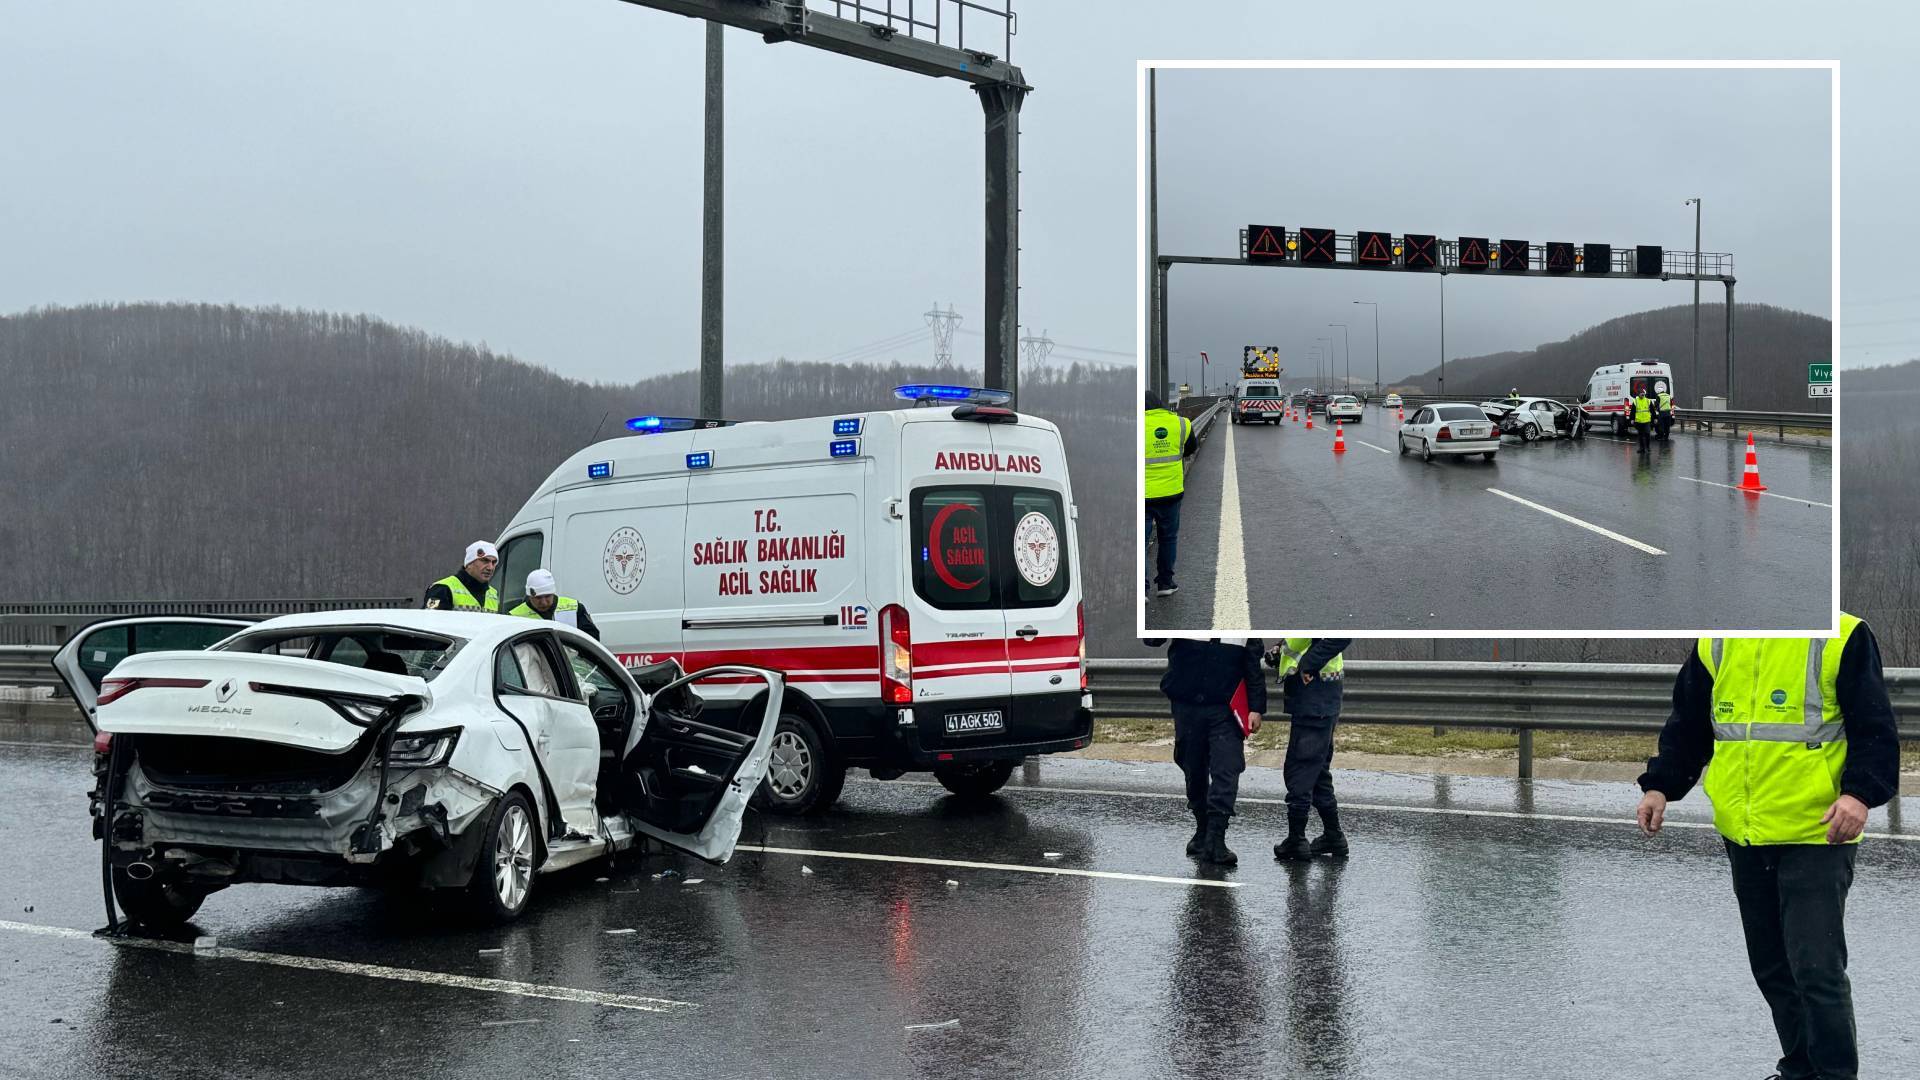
700 459
844 448
600 470
977 395
650 425
847 426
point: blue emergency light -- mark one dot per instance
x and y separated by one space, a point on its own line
648 425
977 395
844 448
847 426
700 459
600 470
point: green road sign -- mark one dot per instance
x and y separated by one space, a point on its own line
1819 373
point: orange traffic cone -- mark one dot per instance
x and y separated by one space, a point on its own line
1400 414
1751 481
1310 418
1339 437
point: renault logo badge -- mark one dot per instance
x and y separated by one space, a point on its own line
226 691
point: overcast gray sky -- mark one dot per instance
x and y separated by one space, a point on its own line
528 174
1603 156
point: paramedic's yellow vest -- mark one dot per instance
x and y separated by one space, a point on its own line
565 610
1778 740
1666 402
464 601
1293 648
1642 410
1163 434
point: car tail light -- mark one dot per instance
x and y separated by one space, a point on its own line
1080 631
112 690
1445 433
896 656
103 742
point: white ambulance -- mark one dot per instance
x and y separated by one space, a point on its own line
912 572
1611 387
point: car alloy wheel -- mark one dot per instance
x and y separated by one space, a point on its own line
513 857
1530 433
1426 450
790 765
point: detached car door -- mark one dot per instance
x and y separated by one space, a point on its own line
89 656
684 782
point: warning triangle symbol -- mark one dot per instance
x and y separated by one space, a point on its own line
1375 251
1264 243
1560 257
1473 253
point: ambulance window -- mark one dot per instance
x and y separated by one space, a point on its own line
1036 531
519 557
951 565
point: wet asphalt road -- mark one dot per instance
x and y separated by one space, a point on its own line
1368 540
1471 934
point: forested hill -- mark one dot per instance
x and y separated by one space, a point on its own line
1772 348
201 452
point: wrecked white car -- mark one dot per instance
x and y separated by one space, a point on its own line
445 750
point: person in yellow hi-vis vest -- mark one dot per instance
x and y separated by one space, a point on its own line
1166 441
1640 415
1798 740
544 601
471 587
1662 411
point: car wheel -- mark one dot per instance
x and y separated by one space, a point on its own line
1426 450
802 775
1619 428
1488 455
1401 442
156 904
974 780
503 875
1530 433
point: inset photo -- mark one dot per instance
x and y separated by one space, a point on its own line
1459 349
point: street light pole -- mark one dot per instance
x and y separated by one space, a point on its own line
1443 333
1345 352
1696 296
1327 354
1376 344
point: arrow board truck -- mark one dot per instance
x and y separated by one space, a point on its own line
913 573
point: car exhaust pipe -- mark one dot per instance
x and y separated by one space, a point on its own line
140 871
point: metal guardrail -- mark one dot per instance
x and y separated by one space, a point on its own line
1612 698
1208 411
27 665
1752 419
51 623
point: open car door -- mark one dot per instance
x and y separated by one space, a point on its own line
686 783
90 654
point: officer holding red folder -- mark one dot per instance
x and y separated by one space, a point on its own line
1218 692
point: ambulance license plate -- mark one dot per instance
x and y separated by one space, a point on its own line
973 723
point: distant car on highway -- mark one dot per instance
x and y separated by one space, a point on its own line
1531 419
1317 401
1392 401
1345 407
1449 427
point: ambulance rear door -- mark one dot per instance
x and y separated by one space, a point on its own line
1036 545
957 625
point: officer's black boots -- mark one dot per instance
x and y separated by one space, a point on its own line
1214 844
1329 843
1294 847
1198 845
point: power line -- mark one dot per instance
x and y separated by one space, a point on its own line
944 323
886 342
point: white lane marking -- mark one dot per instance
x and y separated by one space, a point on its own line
1060 871
1769 494
1588 525
1382 449
371 971
1231 610
1390 808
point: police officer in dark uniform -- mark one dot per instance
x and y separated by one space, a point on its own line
1313 678
1211 682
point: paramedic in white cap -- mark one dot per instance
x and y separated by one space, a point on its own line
545 602
469 588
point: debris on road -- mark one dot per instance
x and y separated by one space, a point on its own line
491 952
623 930
1050 855
693 881
954 1023
806 869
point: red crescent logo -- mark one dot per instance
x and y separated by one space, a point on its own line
933 548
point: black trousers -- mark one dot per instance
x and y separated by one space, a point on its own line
1208 747
1793 903
1309 766
1663 423
1645 432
